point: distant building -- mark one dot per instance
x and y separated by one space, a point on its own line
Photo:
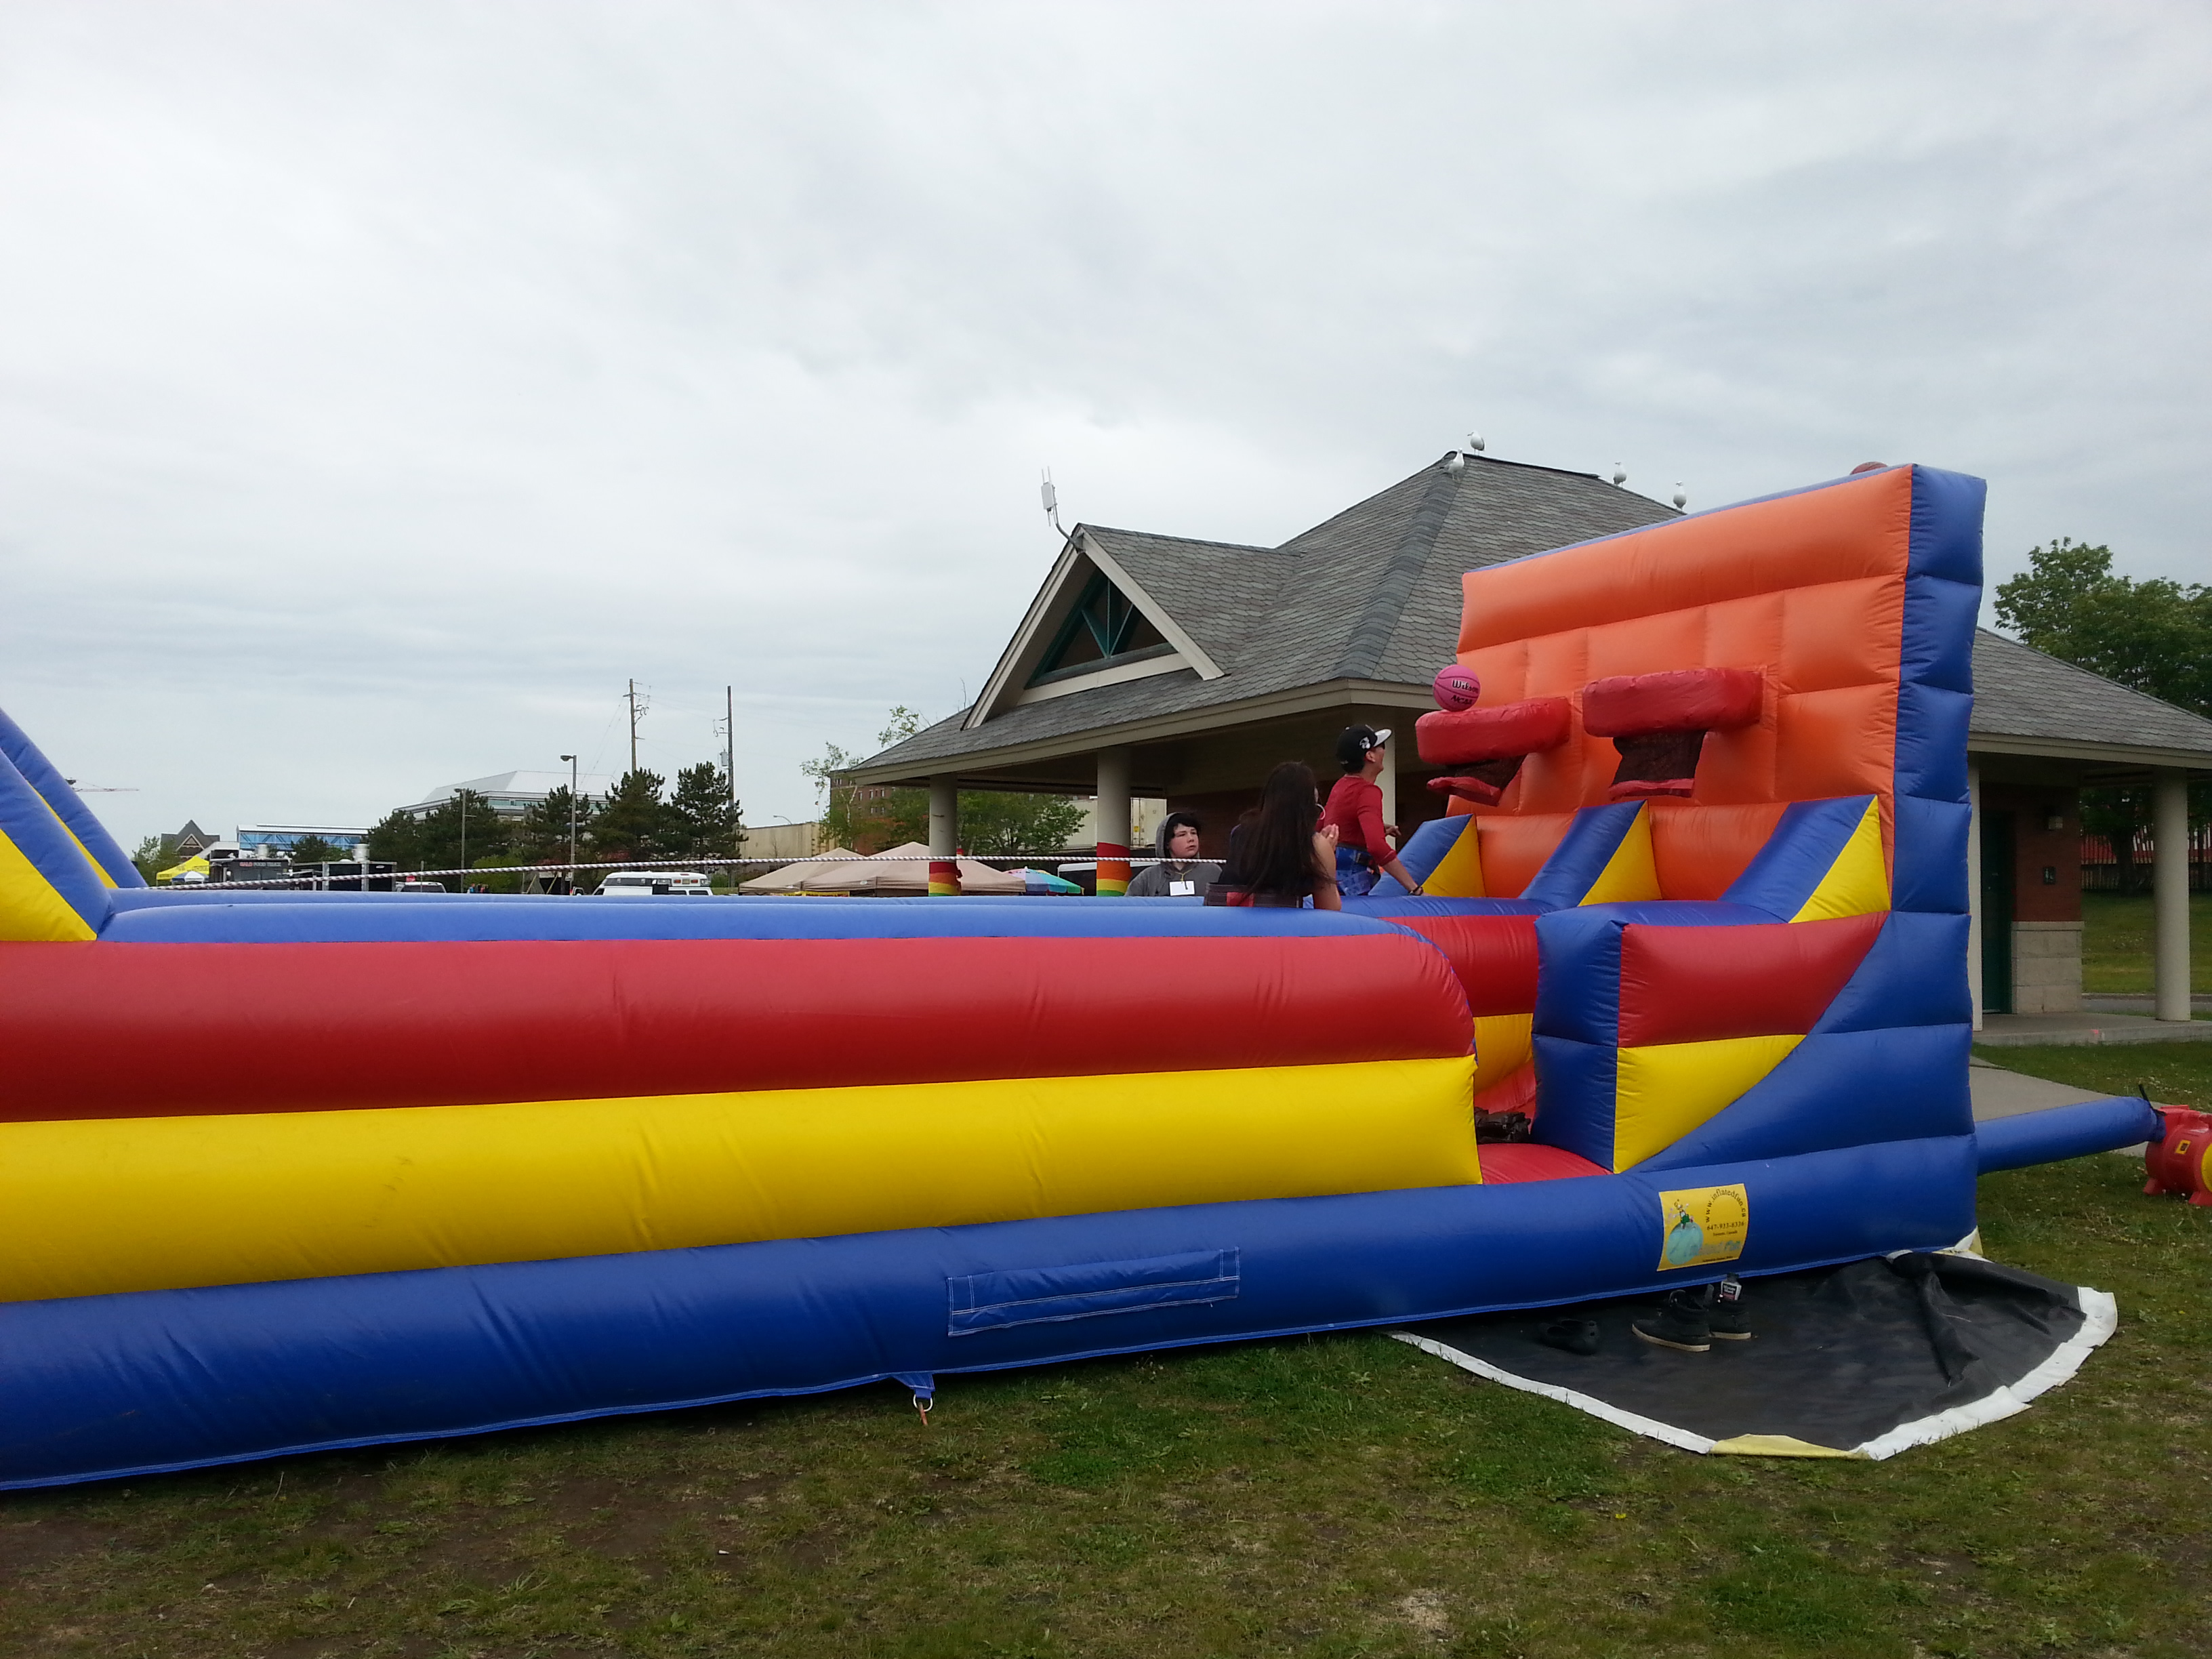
510 794
190 842
276 841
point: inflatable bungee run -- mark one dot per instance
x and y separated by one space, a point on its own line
287 1171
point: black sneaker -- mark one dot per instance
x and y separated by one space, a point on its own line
1578 1336
1682 1323
1727 1315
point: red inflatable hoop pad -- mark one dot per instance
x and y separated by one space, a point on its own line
1492 742
1658 722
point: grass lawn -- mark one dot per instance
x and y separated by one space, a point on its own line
2116 943
2173 1073
1331 1496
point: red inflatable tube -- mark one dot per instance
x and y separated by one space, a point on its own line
1699 984
1680 699
1463 737
1495 957
147 1030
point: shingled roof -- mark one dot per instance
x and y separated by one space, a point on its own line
2026 702
1367 603
1370 597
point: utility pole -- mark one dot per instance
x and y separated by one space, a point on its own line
632 696
730 740
571 759
464 835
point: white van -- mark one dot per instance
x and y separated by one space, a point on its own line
656 883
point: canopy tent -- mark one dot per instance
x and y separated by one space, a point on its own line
787 879
903 871
193 869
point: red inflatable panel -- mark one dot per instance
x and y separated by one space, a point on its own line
1506 1162
1680 699
147 1031
1461 738
1697 984
1495 957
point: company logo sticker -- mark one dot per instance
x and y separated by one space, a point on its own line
1702 1224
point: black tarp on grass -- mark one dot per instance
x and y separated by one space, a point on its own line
1862 1360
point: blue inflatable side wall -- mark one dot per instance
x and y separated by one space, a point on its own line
132 1384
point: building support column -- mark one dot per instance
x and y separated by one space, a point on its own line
944 836
1974 889
1113 823
1386 781
2170 892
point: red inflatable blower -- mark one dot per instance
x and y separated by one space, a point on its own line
2177 1164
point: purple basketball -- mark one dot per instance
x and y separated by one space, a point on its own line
1456 687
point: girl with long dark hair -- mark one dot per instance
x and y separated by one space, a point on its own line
1285 858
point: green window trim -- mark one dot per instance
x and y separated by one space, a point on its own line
1102 630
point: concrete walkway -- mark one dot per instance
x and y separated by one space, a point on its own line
2088 1027
1999 1093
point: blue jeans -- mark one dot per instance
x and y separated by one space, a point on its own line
1355 876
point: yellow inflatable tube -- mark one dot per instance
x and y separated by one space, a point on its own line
135 1204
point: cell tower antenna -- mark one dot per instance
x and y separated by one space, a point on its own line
1051 498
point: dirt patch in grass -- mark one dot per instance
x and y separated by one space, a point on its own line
1328 1497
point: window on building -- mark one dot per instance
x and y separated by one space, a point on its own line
1104 629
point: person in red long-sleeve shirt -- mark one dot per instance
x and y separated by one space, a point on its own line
1355 813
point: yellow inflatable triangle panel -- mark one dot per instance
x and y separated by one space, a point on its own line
50 889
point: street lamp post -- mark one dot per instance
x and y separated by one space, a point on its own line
571 759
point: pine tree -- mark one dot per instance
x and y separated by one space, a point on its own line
633 822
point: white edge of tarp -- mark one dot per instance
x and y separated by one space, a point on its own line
1581 1402
2100 1317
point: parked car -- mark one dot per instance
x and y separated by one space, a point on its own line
656 883
413 886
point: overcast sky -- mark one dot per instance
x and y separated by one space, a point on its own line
382 384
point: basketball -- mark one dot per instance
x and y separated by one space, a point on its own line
1456 687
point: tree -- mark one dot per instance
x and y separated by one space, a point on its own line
398 840
156 854
541 835
869 819
2154 636
997 824
993 823
702 820
632 822
458 830
313 849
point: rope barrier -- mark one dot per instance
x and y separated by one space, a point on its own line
320 883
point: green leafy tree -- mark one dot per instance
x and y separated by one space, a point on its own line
460 830
867 819
398 840
993 823
313 849
702 820
997 824
541 835
2154 636
156 854
633 822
